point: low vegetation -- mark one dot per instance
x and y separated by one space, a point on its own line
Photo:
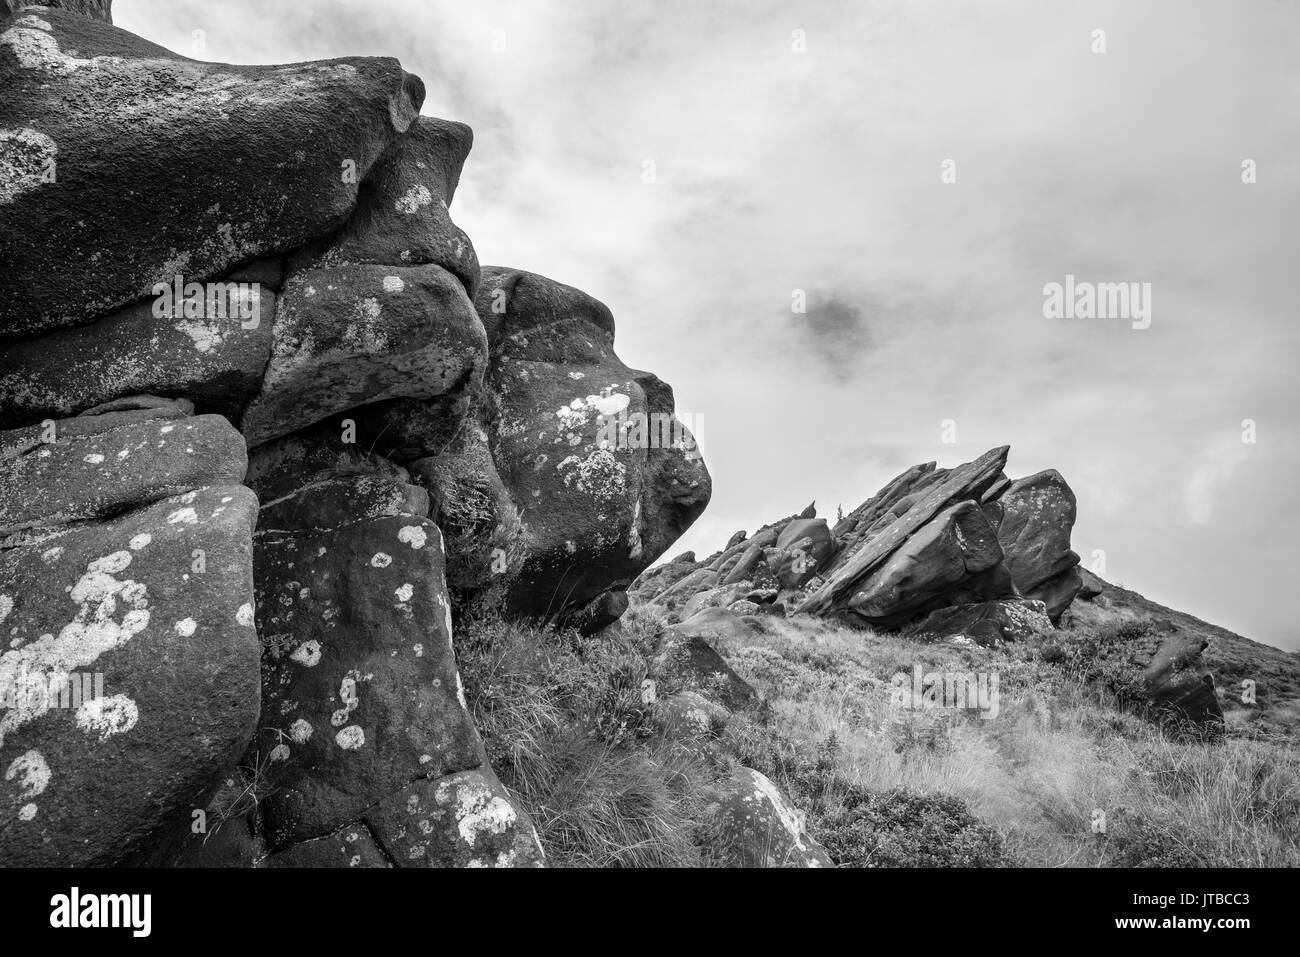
1066 774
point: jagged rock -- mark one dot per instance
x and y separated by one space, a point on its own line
351 335
96 118
986 623
968 481
156 607
598 504
734 540
462 820
755 825
688 557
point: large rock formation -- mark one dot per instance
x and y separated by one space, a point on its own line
276 684
930 540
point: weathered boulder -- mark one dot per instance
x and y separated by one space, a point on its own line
351 335
604 477
94 118
687 661
755 825
144 624
1178 683
689 717
985 623
1034 517
360 689
804 546
462 820
215 357
401 216
96 466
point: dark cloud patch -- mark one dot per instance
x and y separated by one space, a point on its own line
836 331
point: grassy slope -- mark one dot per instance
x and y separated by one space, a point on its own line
884 785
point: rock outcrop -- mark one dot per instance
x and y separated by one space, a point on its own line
262 444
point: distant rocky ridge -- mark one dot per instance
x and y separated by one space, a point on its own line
266 429
965 554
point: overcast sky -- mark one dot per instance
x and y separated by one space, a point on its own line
778 170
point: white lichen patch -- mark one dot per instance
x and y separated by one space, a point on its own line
244 616
94 458
111 612
183 516
105 717
6 606
307 654
404 592
185 627
381 560
140 541
413 535
350 738
477 811
28 159
413 199
300 731
393 284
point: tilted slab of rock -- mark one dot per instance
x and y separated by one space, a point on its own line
94 126
215 358
954 546
967 481
83 474
357 334
146 623
598 504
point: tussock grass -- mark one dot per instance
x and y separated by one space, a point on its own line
1060 754
567 732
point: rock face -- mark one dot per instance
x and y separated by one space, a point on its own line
260 436
129 676
82 96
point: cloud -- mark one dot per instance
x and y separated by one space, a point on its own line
778 170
